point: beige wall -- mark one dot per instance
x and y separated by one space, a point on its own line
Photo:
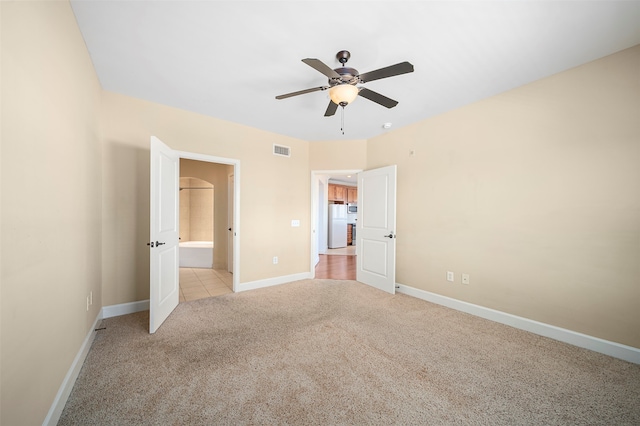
217 175
338 155
196 210
185 206
51 185
274 190
535 194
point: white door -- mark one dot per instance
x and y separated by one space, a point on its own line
165 222
375 233
230 226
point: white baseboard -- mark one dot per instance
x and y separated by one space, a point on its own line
252 285
70 379
616 350
125 308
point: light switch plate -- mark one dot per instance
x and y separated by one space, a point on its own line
465 278
295 223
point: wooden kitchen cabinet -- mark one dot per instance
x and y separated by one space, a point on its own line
337 193
343 194
352 194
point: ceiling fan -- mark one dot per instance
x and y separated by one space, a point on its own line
342 82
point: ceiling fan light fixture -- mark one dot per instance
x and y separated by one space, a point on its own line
343 94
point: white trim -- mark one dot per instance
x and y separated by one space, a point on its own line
125 308
70 379
616 350
252 285
230 224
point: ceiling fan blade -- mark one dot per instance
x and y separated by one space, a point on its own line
390 71
331 109
301 92
322 67
377 98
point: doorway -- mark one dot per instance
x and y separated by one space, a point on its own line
203 246
226 207
337 262
376 226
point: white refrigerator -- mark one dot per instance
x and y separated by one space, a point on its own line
337 225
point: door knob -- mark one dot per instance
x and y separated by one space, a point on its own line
229 229
390 235
150 244
158 244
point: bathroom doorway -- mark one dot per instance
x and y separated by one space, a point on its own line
203 236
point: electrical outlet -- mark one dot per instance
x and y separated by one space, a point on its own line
295 223
450 276
87 303
275 260
465 278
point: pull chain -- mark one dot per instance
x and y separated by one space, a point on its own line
342 121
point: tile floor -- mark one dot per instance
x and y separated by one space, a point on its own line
348 250
197 283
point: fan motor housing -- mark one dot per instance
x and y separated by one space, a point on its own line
347 76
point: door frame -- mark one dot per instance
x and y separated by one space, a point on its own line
236 203
315 176
230 221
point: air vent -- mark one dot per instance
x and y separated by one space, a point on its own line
283 151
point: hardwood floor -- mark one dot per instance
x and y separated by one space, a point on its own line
336 267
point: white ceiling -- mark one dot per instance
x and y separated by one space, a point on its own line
229 59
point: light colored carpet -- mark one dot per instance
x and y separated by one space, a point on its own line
340 352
